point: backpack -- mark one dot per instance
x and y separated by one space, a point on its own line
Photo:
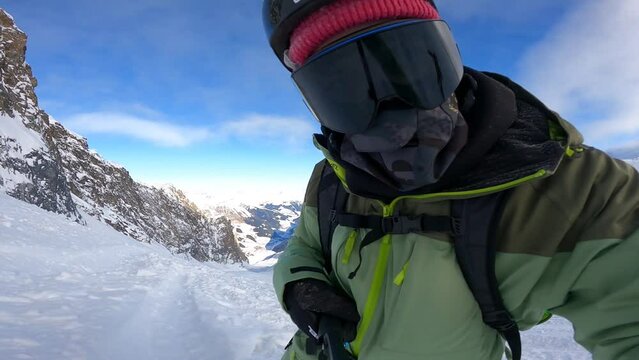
472 225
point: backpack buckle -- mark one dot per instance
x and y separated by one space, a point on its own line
499 320
456 226
401 224
332 216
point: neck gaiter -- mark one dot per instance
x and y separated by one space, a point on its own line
408 148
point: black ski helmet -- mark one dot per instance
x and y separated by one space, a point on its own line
281 17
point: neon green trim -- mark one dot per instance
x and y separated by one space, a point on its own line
341 174
399 279
570 152
385 248
339 171
350 244
292 355
376 289
484 191
546 317
373 295
556 131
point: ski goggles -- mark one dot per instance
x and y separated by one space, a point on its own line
416 62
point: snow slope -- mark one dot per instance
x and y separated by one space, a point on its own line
76 292
88 292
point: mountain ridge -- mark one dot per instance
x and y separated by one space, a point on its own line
44 164
255 225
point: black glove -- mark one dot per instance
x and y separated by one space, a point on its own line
308 299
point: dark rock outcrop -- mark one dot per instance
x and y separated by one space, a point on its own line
30 165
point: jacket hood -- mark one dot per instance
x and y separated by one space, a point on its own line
512 135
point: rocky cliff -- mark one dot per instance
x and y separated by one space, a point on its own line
44 164
30 168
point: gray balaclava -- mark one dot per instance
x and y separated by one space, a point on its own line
410 153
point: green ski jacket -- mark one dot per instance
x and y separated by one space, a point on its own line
568 243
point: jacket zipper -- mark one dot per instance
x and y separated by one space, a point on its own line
382 260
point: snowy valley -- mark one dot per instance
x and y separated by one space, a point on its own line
260 228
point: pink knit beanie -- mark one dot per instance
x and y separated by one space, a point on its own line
336 18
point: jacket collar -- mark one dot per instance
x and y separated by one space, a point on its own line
512 135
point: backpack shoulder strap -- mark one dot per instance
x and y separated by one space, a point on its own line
475 247
331 199
474 229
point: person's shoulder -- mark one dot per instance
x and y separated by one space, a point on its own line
588 193
310 198
584 170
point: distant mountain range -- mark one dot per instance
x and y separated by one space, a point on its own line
256 227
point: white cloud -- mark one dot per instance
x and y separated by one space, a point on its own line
629 150
142 125
588 66
157 132
294 131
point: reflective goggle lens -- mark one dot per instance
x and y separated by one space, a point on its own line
416 62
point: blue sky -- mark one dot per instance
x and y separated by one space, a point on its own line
188 91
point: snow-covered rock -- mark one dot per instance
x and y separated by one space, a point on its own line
29 169
43 163
254 225
280 239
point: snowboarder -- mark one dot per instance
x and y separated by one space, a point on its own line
453 208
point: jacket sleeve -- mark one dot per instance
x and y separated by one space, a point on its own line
303 256
598 281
